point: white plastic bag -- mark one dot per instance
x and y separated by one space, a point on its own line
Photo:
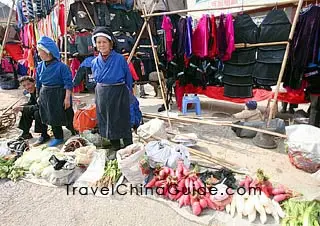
154 127
128 161
165 154
94 171
84 155
304 147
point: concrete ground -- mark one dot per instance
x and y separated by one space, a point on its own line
24 203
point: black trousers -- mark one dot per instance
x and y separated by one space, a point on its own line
58 131
26 120
314 118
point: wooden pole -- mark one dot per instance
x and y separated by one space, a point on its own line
11 106
248 45
216 123
6 32
156 60
65 33
221 8
284 62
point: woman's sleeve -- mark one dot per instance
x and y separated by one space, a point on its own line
67 77
38 83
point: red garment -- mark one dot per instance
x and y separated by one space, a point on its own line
292 96
133 72
14 50
213 48
61 19
7 67
75 64
230 38
167 27
200 39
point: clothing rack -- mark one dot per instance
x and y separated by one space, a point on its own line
241 45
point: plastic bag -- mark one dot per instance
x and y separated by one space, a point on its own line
94 171
128 161
304 147
84 155
165 154
154 127
93 138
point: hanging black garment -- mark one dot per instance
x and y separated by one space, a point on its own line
274 28
237 72
103 15
304 47
178 46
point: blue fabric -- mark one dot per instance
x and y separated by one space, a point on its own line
87 62
112 70
21 18
135 113
251 105
54 74
51 46
22 70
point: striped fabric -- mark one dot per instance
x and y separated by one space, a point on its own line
39 8
24 8
30 9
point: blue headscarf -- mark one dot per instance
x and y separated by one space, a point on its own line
251 104
47 44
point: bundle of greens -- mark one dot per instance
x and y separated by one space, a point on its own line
8 170
301 213
111 175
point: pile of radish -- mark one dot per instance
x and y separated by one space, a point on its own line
184 186
252 204
262 183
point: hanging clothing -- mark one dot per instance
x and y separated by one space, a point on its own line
75 65
213 43
31 14
200 39
103 15
180 38
167 26
125 43
304 47
221 37
229 38
188 43
61 19
79 16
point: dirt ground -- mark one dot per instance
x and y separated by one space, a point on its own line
24 203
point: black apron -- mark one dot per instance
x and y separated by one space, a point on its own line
113 111
51 106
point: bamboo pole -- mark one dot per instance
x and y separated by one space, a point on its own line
6 32
248 45
10 106
216 123
65 33
221 8
284 62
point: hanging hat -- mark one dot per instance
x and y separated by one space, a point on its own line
251 104
49 46
103 32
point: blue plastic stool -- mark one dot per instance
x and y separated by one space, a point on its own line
191 100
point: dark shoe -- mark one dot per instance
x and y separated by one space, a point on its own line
26 136
41 140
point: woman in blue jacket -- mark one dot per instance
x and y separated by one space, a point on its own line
113 89
54 80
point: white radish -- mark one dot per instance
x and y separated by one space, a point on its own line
249 207
263 218
252 216
228 208
240 204
245 212
268 209
258 205
278 208
246 195
233 206
263 199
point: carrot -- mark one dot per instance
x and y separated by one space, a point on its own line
203 203
196 208
151 183
281 197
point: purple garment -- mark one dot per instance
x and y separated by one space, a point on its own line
188 42
304 47
181 35
221 37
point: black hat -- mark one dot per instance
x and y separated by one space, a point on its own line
104 32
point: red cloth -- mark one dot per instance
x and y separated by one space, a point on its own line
75 64
133 72
14 50
213 49
200 38
294 96
61 19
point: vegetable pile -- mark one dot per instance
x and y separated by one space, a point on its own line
185 187
262 183
301 213
111 175
7 170
252 204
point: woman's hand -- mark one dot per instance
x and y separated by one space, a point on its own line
67 103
